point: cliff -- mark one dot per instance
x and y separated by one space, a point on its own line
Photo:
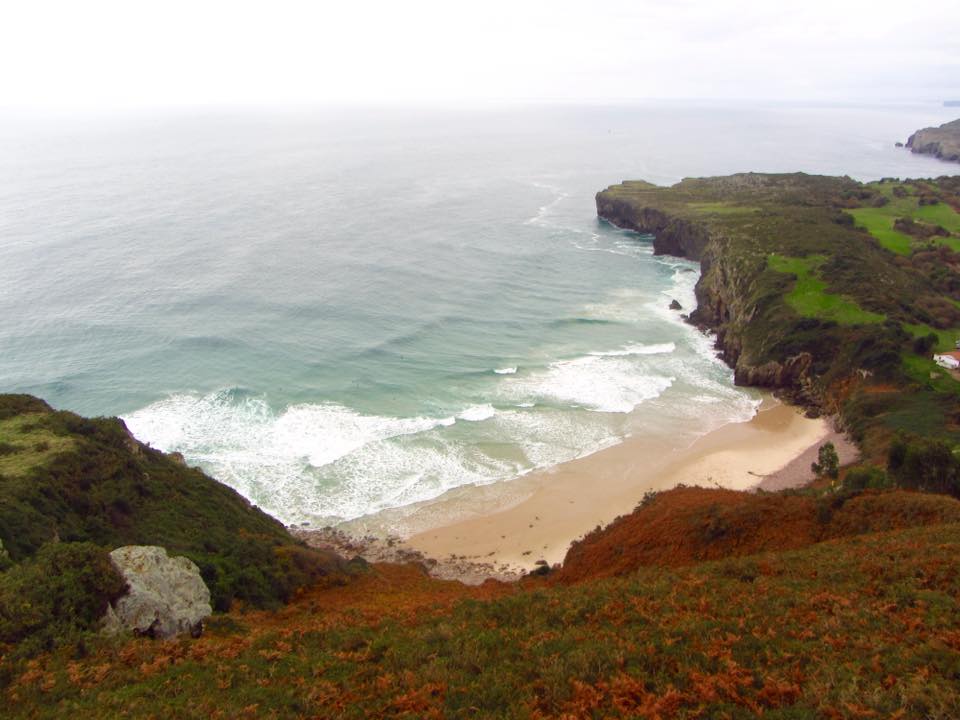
66 479
800 286
942 142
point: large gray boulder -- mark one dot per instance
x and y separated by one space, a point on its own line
166 596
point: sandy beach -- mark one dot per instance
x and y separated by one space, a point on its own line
506 528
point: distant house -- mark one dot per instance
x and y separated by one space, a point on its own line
949 360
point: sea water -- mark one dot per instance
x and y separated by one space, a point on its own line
339 311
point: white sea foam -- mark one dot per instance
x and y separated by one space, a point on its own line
627 350
477 413
544 210
506 370
601 383
318 433
325 462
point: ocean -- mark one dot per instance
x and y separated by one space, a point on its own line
341 311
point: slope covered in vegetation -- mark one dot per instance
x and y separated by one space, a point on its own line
852 628
691 524
66 479
830 290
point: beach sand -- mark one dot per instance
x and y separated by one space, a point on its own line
506 528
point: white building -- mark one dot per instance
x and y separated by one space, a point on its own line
948 360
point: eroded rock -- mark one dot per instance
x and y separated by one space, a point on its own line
166 596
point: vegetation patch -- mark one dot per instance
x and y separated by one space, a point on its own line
805 295
916 202
859 627
26 444
809 296
64 478
879 223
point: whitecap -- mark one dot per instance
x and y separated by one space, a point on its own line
506 370
601 383
627 350
219 423
477 413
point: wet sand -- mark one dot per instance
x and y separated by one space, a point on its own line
509 527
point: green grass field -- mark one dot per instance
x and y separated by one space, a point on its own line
25 445
879 221
810 298
946 339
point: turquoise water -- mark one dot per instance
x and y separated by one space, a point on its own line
337 312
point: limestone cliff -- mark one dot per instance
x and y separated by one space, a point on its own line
942 142
725 303
801 300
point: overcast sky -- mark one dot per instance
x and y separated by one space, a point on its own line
106 53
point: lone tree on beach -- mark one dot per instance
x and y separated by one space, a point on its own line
828 462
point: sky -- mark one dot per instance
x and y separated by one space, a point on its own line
133 53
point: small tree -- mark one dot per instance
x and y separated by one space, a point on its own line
828 462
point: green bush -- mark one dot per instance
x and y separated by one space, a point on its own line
864 478
56 596
923 464
828 462
925 343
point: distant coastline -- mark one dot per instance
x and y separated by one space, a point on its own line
942 142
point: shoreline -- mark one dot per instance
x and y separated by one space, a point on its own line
506 529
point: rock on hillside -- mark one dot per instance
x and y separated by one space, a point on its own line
72 479
942 142
166 595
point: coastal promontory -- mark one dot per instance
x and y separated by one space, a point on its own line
833 292
942 142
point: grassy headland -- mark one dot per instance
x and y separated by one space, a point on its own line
832 291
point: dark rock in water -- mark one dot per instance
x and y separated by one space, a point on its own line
674 305
898 144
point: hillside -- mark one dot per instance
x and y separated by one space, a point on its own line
65 479
701 603
691 524
853 628
831 291
942 142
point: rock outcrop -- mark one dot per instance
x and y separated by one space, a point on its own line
671 235
166 596
942 142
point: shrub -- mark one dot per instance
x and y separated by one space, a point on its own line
54 597
863 478
925 343
828 462
924 464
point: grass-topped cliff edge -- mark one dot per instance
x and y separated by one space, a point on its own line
833 291
74 488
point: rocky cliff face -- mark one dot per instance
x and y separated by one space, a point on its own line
725 303
942 142
672 235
